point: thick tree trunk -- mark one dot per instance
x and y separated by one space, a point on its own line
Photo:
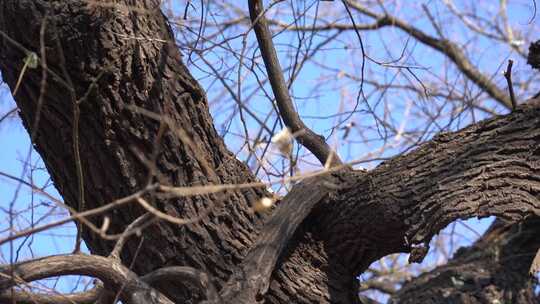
130 50
123 55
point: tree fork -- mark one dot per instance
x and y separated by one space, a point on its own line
490 168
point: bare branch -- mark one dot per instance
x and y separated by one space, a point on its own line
140 221
253 276
313 142
484 272
7 114
444 46
508 76
111 272
28 297
487 169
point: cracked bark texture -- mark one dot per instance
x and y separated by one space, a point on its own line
490 168
106 42
490 271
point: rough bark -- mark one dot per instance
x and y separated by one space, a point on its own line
135 61
112 273
489 271
491 168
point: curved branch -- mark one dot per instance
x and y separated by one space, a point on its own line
309 139
253 276
25 297
111 272
8 114
489 168
492 270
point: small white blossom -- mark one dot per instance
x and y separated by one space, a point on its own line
32 60
267 202
263 204
284 141
517 42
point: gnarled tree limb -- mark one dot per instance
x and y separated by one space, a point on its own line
490 271
112 273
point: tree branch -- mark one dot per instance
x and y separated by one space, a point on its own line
28 297
489 168
492 270
444 46
253 276
508 76
112 273
312 141
183 274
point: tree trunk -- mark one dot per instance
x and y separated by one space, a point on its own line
130 53
121 60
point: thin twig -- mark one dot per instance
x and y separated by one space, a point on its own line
135 225
75 144
79 216
7 114
450 49
170 218
44 78
508 76
21 48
